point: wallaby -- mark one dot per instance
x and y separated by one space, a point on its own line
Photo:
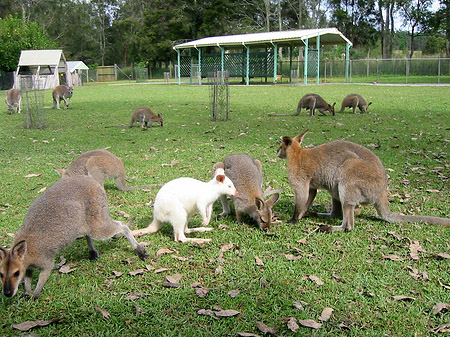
145 117
311 102
354 101
100 165
62 93
180 198
352 175
70 209
13 98
247 176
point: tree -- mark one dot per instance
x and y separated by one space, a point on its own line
16 35
441 23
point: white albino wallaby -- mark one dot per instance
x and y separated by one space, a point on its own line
180 198
62 93
351 173
13 98
146 118
247 176
354 101
71 208
100 165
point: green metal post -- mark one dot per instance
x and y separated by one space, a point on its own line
318 59
247 71
305 69
179 66
290 64
275 62
200 66
347 61
222 59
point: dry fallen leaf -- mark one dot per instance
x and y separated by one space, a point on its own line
125 215
309 323
227 313
28 325
117 273
180 258
393 257
160 270
266 329
234 293
31 175
404 298
300 305
318 281
66 269
258 261
438 307
414 249
442 256
292 324
174 278
133 296
291 257
106 315
163 251
202 292
137 272
444 285
223 248
445 328
207 312
326 314
62 262
172 285
247 334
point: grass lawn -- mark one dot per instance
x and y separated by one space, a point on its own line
358 274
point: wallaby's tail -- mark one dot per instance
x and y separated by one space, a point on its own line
152 228
131 188
342 108
385 213
299 109
116 126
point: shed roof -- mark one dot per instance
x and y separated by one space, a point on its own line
40 57
76 65
330 36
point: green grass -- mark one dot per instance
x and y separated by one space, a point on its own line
407 127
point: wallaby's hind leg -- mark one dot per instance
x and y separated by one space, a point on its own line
225 206
93 254
179 224
348 222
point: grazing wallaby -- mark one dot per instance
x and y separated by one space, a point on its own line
351 174
247 176
62 93
70 209
311 102
13 98
354 101
180 198
100 165
145 117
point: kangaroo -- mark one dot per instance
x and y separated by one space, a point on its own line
62 93
354 101
101 165
352 175
145 117
311 102
247 176
70 209
13 98
180 198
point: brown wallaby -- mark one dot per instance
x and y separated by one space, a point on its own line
247 176
145 117
100 165
62 93
354 101
71 208
13 98
351 174
311 102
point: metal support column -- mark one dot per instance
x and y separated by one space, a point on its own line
275 62
305 70
318 59
199 66
247 68
179 66
347 61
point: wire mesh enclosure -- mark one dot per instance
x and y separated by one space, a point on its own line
33 102
219 94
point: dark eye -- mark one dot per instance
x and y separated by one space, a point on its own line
17 273
1 275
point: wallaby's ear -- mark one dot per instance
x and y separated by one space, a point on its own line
369 103
220 178
299 138
3 253
160 115
19 250
218 168
272 200
286 140
259 204
60 172
334 104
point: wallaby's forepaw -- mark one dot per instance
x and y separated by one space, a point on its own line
93 255
325 228
141 253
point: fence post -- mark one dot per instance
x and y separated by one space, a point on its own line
377 68
439 69
407 69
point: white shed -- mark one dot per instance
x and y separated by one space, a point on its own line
76 69
41 69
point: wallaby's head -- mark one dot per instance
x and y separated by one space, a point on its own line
159 119
69 91
12 269
331 108
287 142
263 214
364 107
225 184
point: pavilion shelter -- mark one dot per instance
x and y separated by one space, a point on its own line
256 54
76 69
41 69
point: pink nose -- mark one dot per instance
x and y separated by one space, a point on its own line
236 193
